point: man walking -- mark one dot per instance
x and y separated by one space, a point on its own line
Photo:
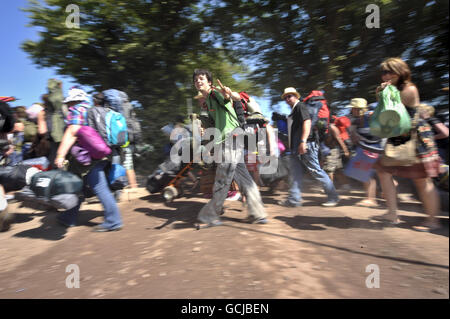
304 146
220 109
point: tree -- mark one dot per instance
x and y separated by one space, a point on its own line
148 49
318 44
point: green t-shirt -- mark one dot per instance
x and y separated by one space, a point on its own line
223 114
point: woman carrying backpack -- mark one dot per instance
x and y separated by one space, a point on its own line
78 104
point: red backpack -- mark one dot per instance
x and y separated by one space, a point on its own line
319 112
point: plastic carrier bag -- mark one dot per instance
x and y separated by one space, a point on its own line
390 117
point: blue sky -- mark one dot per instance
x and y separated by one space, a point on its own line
21 78
24 80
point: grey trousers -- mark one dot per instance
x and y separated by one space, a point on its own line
225 173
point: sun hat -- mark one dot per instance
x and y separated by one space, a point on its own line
358 103
290 90
76 94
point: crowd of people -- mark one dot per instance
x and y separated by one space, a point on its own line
52 132
317 143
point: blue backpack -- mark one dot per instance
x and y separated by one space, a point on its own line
111 125
116 129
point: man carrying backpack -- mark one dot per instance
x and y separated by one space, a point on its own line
220 110
304 146
118 101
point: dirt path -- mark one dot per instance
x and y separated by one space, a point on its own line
307 252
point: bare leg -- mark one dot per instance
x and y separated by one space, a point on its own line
430 200
370 188
131 175
390 194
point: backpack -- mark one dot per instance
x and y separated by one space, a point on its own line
29 131
319 113
54 110
134 127
111 125
61 201
13 178
113 100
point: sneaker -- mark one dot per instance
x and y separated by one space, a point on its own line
288 203
330 203
260 221
101 229
214 223
233 196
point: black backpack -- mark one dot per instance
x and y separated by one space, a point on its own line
13 178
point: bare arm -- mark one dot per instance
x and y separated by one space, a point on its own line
41 123
306 129
442 131
336 134
410 96
228 93
69 138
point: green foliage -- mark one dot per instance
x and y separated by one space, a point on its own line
148 49
322 44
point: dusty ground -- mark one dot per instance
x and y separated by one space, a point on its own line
307 252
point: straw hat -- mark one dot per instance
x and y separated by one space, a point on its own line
358 103
290 90
76 94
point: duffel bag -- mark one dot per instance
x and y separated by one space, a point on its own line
55 182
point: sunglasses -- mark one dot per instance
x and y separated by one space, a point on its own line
288 96
384 72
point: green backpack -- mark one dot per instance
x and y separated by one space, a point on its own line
54 111
29 131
